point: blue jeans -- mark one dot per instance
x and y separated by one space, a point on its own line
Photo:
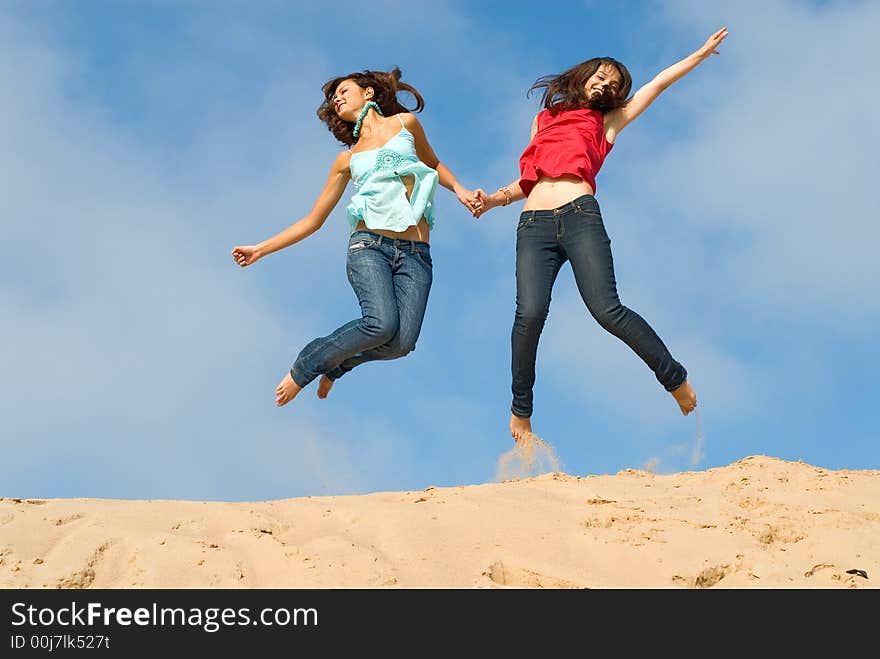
545 240
392 279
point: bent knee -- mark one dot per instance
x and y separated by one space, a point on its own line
398 348
382 330
610 317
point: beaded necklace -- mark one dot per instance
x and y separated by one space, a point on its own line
357 127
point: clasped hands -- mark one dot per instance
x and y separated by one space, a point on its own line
478 201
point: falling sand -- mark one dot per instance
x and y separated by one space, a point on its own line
531 456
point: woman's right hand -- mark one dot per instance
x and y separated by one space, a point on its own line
485 202
246 255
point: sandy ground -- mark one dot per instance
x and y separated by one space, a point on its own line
760 522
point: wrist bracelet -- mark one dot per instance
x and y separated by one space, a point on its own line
508 197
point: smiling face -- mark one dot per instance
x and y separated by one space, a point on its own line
349 99
605 82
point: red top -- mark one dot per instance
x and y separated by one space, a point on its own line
572 142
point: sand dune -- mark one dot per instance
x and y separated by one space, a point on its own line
757 523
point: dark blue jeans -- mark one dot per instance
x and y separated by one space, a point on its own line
392 279
545 240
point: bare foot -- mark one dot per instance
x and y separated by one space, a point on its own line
324 386
520 427
286 390
686 398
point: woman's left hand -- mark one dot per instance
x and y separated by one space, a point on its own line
711 45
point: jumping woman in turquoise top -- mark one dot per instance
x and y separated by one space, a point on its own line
395 173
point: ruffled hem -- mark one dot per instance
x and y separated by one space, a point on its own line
530 176
530 173
377 209
358 215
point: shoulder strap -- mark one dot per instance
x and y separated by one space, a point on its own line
400 119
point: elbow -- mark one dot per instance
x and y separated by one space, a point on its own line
310 224
315 224
661 83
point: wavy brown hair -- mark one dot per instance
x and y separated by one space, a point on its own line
386 86
565 91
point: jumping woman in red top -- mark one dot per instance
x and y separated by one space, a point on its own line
584 110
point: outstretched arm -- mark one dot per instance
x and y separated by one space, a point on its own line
301 229
426 155
616 120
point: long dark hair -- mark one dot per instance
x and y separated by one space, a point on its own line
386 85
565 91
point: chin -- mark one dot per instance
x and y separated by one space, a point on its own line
602 102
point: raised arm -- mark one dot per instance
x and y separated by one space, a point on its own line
426 155
314 220
616 120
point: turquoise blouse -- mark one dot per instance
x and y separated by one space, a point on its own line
380 200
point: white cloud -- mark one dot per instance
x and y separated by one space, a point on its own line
753 225
139 360
131 342
771 186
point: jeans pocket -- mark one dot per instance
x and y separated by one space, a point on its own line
524 222
590 213
425 258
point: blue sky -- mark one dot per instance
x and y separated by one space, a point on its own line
141 141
